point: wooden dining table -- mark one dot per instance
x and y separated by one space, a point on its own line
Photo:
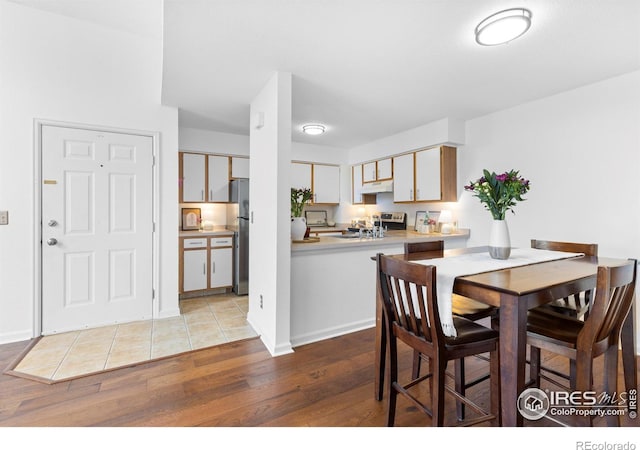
514 291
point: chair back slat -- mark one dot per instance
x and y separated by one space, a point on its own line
408 296
614 296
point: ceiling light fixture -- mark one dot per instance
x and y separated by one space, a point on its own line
313 129
503 27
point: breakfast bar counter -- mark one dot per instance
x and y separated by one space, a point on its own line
391 238
333 281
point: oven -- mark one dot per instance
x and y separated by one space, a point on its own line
393 220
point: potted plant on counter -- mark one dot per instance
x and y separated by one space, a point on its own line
299 197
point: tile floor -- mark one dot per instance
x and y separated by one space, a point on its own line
204 322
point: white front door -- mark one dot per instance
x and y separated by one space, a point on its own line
97 228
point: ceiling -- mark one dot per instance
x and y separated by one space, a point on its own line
368 68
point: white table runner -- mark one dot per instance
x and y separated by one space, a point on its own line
448 269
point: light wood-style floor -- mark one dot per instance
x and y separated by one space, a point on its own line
325 384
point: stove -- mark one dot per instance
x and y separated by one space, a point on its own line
394 220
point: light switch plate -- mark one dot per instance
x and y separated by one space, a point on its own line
4 217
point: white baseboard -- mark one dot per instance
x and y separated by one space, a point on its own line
17 336
328 333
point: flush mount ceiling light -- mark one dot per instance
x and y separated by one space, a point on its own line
503 27
313 128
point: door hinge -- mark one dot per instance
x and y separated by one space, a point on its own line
153 227
153 293
153 160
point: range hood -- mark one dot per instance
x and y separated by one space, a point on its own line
377 187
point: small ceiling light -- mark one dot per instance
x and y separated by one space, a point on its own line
503 27
313 128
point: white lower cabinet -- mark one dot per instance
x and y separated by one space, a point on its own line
206 263
221 261
221 264
195 270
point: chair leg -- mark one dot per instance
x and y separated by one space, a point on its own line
611 379
534 365
584 377
439 368
393 378
382 358
460 385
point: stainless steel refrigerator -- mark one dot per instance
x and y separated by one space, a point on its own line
240 217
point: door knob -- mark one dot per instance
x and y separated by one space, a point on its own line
52 241
52 223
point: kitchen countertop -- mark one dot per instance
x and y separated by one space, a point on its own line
217 231
392 237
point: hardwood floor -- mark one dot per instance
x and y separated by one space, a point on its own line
326 384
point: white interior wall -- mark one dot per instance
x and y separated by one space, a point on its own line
270 230
207 141
581 151
57 68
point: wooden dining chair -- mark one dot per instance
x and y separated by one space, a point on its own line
408 293
576 305
462 307
583 341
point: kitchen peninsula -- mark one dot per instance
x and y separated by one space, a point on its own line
333 281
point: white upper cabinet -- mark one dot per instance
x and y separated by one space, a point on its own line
356 184
326 184
193 177
428 175
377 170
323 180
204 177
385 169
239 167
369 172
403 183
425 176
218 179
300 175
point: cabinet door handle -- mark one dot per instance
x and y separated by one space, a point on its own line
210 194
410 194
202 194
213 267
417 193
204 268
